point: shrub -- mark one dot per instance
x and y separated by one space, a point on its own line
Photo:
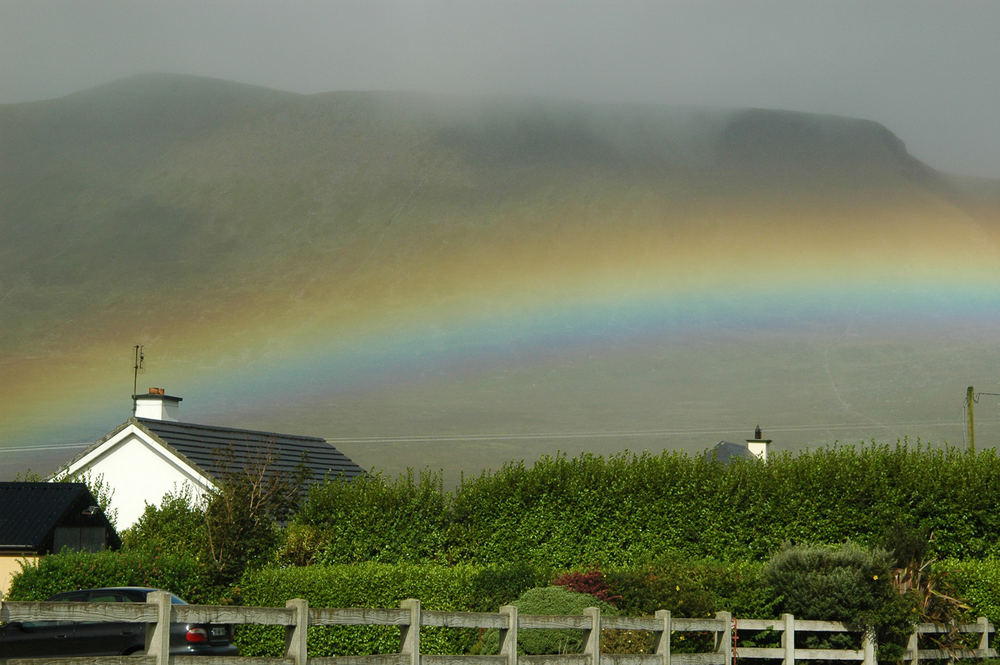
176 525
843 583
496 586
548 600
593 583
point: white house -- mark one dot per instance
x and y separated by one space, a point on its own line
154 453
755 448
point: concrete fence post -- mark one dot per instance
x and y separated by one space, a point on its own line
592 645
913 647
868 644
158 634
788 639
409 638
295 635
663 636
724 637
508 635
983 648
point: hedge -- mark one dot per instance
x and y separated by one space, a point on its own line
180 573
632 509
446 588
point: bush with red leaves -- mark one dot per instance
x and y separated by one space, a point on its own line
591 582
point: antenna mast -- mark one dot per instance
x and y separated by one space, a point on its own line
139 357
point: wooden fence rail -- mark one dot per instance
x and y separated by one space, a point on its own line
157 613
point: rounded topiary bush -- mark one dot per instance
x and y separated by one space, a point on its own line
552 600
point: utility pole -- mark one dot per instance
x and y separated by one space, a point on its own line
969 401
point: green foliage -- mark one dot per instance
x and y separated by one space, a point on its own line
626 510
549 600
176 525
499 585
447 588
376 519
976 582
692 588
178 573
844 583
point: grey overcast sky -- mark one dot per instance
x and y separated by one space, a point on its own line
926 69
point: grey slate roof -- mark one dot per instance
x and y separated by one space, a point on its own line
30 512
724 451
208 448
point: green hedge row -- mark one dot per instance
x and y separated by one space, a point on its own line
179 573
447 588
631 509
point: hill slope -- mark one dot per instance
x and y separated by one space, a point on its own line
439 259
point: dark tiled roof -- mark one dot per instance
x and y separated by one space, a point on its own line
221 450
30 512
724 451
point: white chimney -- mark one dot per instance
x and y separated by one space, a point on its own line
155 405
759 445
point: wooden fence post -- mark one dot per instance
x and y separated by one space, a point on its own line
409 638
158 634
724 638
508 635
295 636
663 636
592 644
788 639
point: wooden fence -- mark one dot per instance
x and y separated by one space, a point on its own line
157 613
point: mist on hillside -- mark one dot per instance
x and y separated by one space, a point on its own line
458 281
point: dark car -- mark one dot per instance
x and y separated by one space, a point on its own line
94 638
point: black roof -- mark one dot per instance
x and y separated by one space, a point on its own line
30 512
217 451
724 451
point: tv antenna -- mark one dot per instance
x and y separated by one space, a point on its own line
139 358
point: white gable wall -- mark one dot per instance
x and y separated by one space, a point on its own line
139 470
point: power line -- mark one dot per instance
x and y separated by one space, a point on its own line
622 434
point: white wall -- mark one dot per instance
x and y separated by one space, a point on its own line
139 471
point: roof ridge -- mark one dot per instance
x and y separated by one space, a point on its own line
222 428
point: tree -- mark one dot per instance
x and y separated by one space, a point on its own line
244 513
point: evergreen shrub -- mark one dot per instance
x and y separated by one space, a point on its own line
843 583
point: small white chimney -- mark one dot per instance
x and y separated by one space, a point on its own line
758 445
155 405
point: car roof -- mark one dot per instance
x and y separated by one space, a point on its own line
141 589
